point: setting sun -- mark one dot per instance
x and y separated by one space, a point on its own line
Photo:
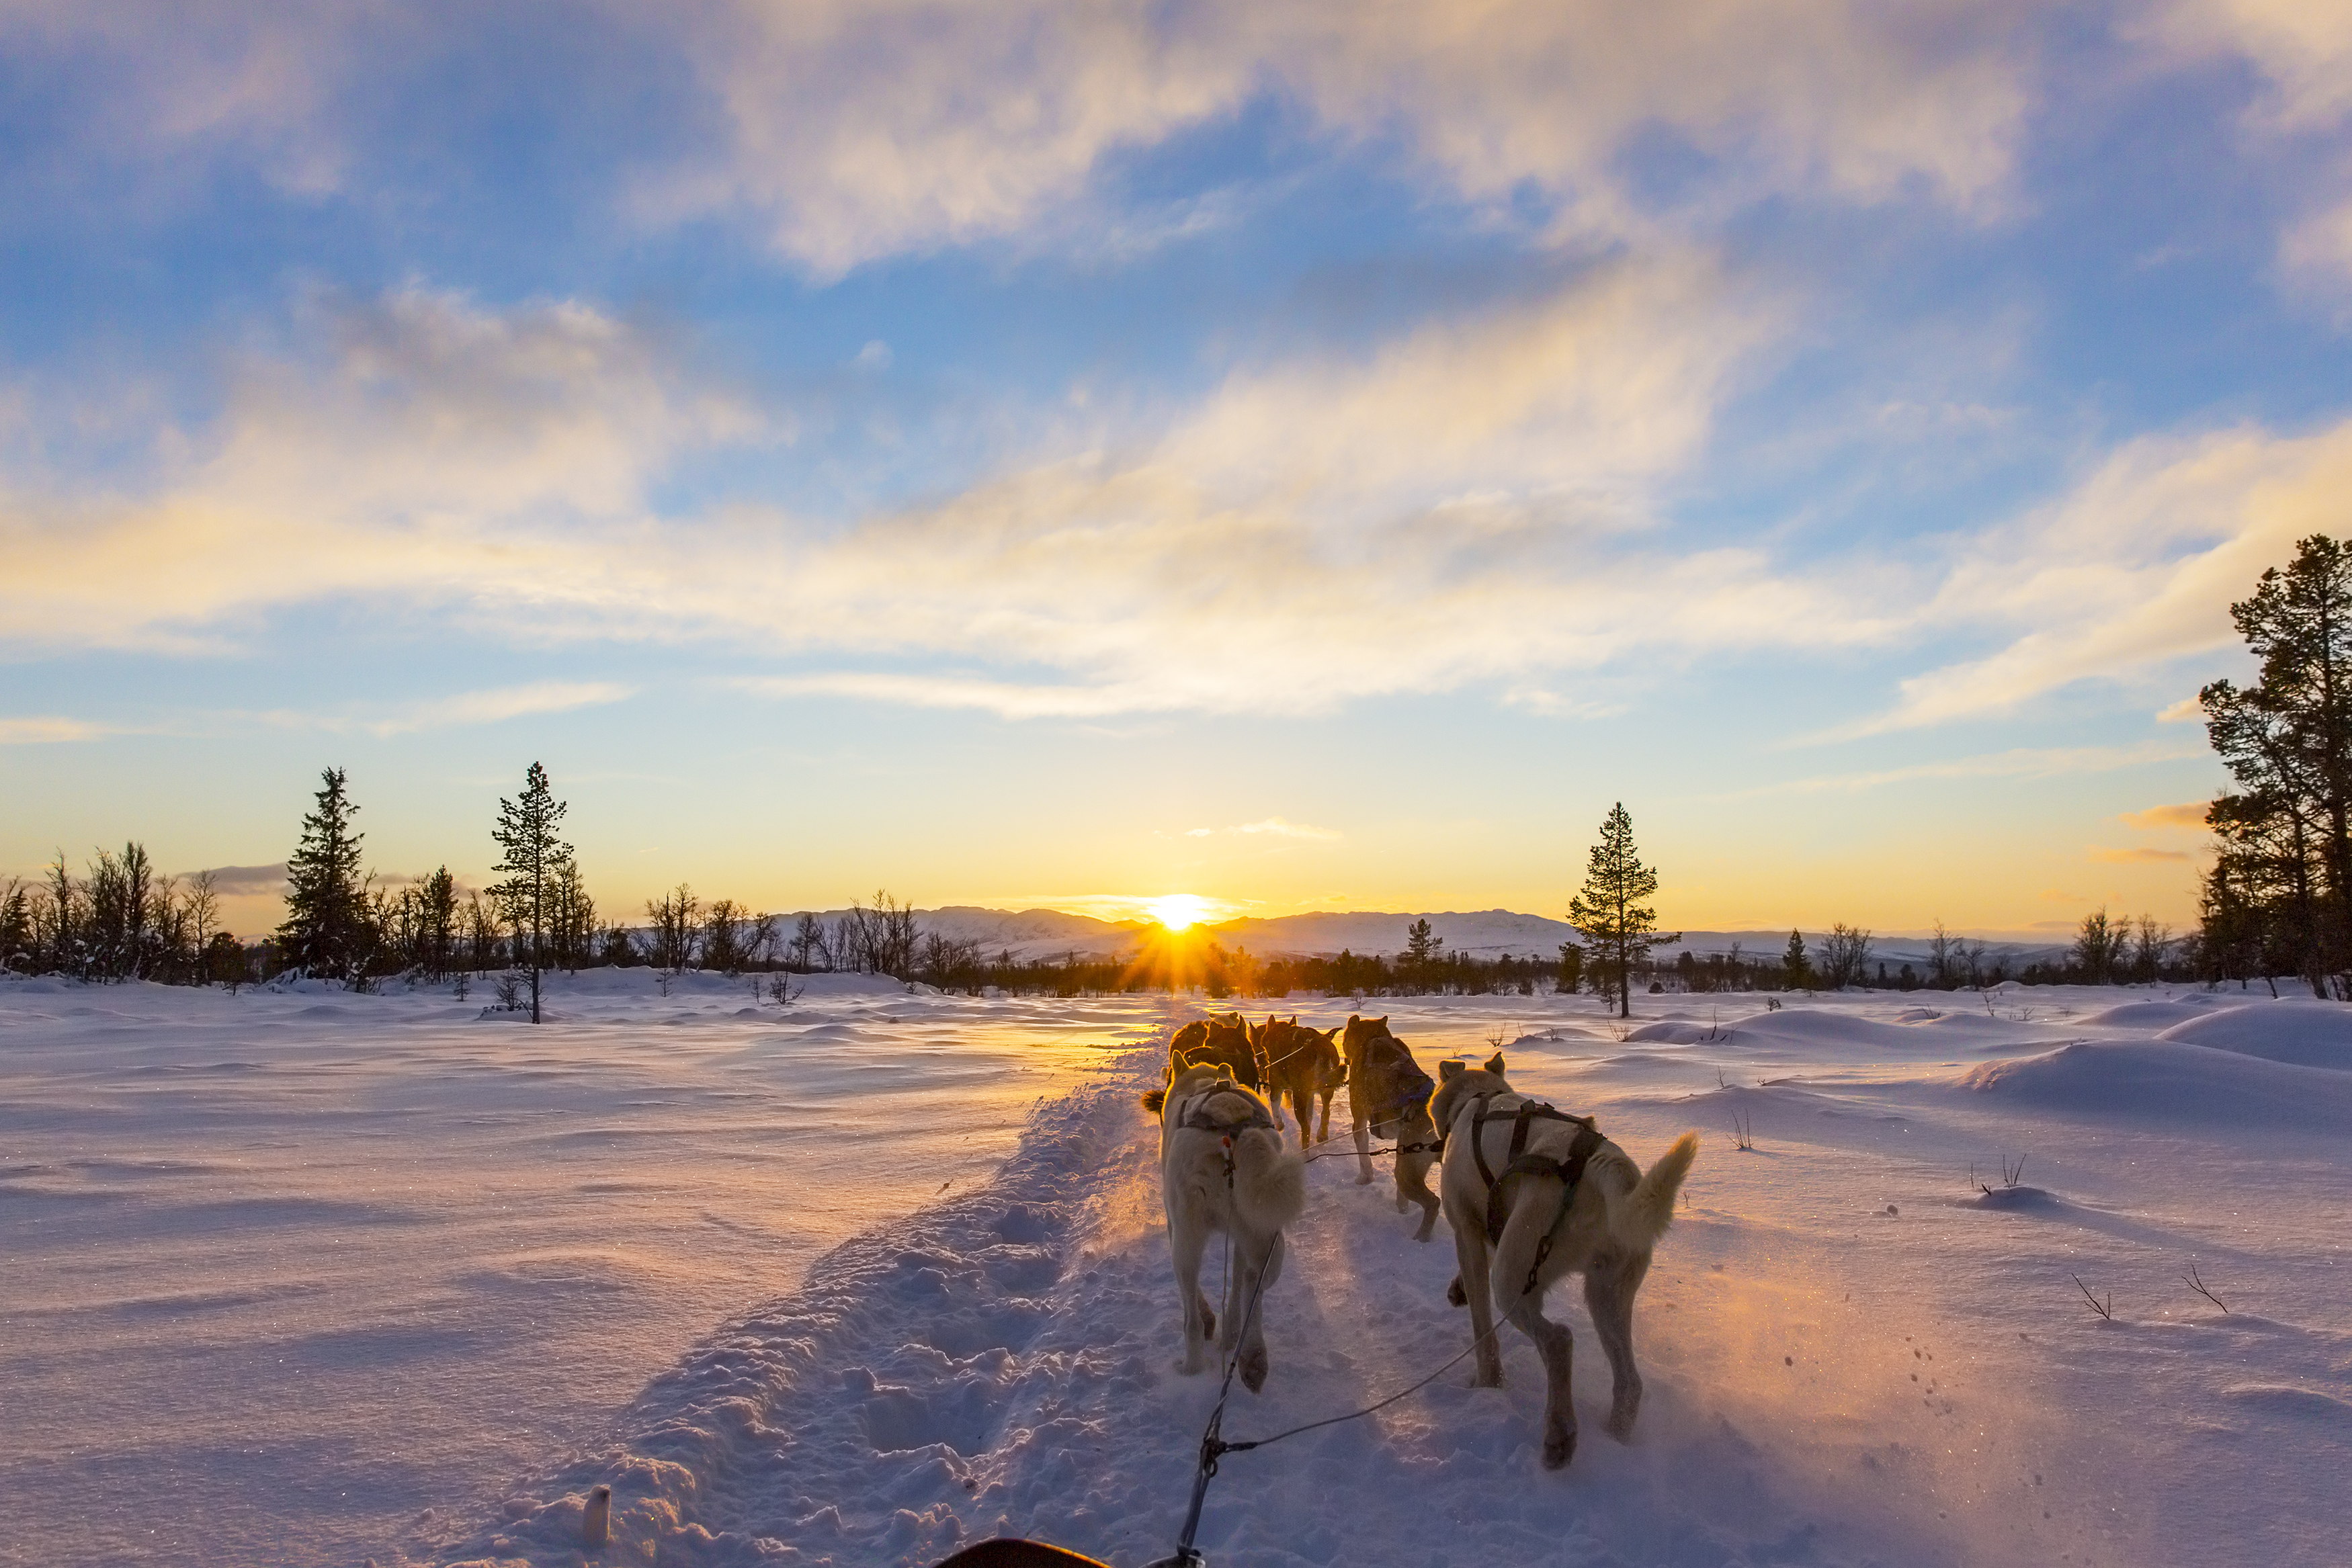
1178 910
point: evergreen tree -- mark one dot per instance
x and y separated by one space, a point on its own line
2286 835
1421 951
536 864
1621 928
326 897
1795 967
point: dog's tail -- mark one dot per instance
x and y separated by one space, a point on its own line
1269 1180
1643 1214
1154 1100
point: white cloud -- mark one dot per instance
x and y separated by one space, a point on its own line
1270 827
859 130
2024 762
1470 502
2134 569
413 447
2302 48
48 730
496 706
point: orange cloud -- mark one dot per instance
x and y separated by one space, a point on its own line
2129 857
2188 814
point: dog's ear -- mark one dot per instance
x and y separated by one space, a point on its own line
1381 1023
1353 1021
1332 1034
1449 1071
1495 1064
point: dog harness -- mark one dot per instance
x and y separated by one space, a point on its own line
1197 1117
1568 1171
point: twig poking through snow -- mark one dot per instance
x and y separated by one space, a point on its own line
2107 1309
2194 1282
1743 1132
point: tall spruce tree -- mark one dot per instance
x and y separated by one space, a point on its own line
1619 926
2286 835
325 894
537 865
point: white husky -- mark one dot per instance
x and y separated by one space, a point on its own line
1223 1167
1551 1196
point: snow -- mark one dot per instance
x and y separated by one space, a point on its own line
320 1278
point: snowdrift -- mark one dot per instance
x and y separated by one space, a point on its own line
2165 1079
2307 1033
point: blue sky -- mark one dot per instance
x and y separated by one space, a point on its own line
1303 456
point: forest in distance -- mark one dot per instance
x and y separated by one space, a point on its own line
2276 900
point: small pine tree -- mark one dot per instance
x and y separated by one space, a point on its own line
1610 910
1797 969
1421 950
535 862
325 894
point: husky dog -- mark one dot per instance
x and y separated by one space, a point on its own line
1388 1097
1301 1063
1551 1197
1222 1166
1226 1041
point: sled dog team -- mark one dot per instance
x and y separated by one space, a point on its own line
1532 1193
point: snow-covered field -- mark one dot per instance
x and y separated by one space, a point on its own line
316 1279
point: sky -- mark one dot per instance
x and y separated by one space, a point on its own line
1046 452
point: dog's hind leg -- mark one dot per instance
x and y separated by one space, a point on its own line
1258 1266
1519 1291
1557 1347
1470 1253
1364 1142
1324 1131
1609 1288
1185 1245
1413 1182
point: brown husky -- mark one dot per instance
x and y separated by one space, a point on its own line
1301 1063
1551 1197
1225 1041
1388 1097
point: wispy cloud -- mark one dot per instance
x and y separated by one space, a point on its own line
1470 502
2133 569
2047 762
1007 699
494 707
2187 814
38 730
2135 857
1270 827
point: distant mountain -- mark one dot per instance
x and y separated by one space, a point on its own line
1486 933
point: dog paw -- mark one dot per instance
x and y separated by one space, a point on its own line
1253 1369
1559 1449
1364 1180
1620 1424
1454 1291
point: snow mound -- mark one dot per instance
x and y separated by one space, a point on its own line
2148 1016
2308 1034
2172 1082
